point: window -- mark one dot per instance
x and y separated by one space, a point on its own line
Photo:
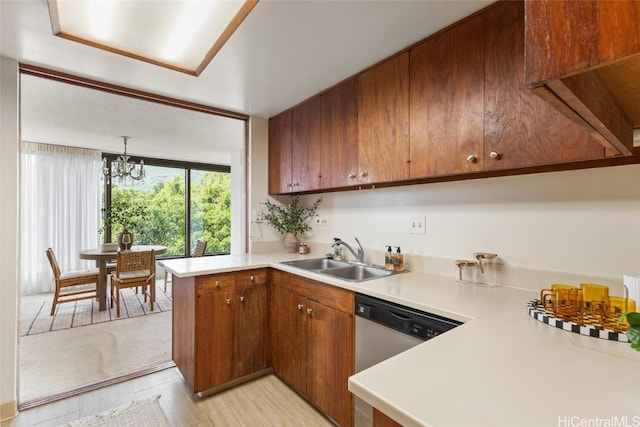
175 205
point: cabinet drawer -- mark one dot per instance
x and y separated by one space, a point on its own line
252 277
328 295
214 283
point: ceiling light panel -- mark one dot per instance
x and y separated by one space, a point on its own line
183 35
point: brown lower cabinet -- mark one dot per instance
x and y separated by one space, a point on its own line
221 333
220 327
381 420
313 342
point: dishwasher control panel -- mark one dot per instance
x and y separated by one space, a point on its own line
417 323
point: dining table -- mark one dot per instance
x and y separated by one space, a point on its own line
102 257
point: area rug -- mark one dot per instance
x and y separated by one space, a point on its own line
35 310
139 413
66 360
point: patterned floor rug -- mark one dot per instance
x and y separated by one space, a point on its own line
139 413
35 310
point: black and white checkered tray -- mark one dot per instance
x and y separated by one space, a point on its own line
537 312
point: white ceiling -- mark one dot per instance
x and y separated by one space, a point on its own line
284 52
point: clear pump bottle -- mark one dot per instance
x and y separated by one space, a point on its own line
388 259
398 264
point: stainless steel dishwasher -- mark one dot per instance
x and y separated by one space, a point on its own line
384 329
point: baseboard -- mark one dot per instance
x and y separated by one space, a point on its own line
8 410
235 382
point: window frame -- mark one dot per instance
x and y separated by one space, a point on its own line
187 167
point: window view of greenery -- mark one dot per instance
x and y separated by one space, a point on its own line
154 210
211 210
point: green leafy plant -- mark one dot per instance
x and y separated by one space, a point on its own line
633 333
291 218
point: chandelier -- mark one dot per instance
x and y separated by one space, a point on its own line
123 168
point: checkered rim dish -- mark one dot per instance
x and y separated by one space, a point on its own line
534 307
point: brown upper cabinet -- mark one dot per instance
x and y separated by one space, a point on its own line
383 122
339 165
584 58
447 101
305 146
280 179
456 103
521 129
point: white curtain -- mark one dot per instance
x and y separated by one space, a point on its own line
59 208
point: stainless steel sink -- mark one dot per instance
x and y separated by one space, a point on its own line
346 270
316 264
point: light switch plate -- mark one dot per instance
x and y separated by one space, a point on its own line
417 225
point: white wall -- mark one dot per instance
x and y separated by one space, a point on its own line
585 222
8 234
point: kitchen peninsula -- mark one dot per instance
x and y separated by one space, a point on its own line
500 368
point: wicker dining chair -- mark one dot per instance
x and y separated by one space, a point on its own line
133 269
80 284
198 251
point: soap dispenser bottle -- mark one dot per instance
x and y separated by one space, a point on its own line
388 259
398 264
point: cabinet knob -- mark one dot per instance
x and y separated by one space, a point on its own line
309 311
352 176
363 174
228 301
217 283
300 306
471 158
495 155
242 299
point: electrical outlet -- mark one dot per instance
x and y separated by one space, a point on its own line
321 221
257 217
416 225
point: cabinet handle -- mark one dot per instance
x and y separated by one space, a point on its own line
217 283
295 184
300 306
309 311
252 278
363 174
471 158
352 176
495 155
228 301
242 299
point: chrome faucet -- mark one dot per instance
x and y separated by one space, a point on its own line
359 255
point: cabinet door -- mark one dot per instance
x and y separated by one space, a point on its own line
305 146
447 102
383 122
280 153
521 129
250 330
214 340
289 339
340 135
330 350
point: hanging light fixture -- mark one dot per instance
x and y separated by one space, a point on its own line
123 168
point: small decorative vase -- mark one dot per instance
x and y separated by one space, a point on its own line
290 243
125 243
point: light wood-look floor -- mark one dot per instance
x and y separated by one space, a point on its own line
266 401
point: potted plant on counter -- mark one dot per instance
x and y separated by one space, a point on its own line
290 220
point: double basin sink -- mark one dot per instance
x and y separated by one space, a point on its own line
351 271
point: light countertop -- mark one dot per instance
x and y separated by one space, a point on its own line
501 368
